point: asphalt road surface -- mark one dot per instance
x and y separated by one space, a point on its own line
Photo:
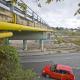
37 62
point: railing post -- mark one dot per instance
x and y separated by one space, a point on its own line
33 19
32 16
37 18
14 18
40 22
14 15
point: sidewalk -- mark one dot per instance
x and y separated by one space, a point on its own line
38 52
34 52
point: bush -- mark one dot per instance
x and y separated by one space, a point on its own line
77 42
10 68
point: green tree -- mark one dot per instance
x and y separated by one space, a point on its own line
78 11
22 5
49 1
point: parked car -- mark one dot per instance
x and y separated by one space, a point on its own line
58 72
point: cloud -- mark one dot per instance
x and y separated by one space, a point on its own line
72 23
58 14
67 23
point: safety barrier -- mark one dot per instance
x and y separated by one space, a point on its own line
16 11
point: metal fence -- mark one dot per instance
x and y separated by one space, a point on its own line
22 14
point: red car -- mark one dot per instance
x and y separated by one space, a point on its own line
58 72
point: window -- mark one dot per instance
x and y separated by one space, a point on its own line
61 71
53 67
64 72
58 71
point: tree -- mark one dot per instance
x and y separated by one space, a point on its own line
49 1
78 11
22 5
46 1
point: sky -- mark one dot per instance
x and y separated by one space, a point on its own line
60 14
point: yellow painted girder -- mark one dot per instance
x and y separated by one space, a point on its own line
5 34
18 27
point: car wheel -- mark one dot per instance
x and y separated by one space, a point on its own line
47 76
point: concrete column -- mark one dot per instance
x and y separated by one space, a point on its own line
41 42
24 44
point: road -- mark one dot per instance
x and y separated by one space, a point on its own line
37 62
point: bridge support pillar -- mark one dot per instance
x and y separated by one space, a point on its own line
41 42
24 44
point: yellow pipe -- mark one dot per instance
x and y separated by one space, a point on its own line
18 27
5 34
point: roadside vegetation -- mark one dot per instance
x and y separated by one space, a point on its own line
67 36
10 68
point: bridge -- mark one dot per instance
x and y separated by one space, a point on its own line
19 22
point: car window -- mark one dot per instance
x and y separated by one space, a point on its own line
61 71
53 67
64 72
58 71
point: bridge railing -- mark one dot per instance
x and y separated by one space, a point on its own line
16 11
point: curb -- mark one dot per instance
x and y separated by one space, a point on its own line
39 53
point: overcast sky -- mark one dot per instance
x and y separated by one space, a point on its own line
59 14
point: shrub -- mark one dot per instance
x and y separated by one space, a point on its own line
10 68
8 61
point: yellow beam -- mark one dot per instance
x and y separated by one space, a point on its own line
18 27
5 34
14 18
14 15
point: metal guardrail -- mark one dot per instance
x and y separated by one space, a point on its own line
28 14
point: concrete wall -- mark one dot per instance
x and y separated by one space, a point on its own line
5 15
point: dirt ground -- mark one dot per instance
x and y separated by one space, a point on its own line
48 45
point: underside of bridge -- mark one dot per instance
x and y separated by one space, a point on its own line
29 35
